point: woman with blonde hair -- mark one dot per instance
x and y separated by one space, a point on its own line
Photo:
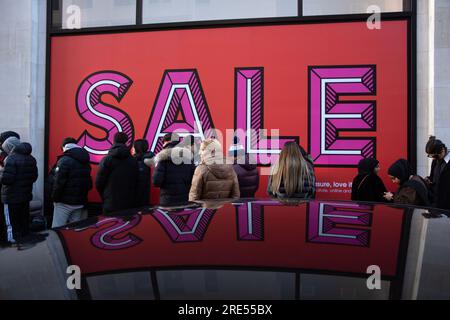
292 175
213 179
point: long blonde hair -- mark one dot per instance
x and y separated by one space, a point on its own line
291 169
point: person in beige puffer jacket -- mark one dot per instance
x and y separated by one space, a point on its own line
213 178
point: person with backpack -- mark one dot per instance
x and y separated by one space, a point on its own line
117 177
145 160
17 178
412 188
367 185
71 184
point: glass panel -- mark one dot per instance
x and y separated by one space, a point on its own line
99 13
121 286
157 11
329 7
326 287
226 284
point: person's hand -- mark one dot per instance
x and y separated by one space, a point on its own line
388 196
428 181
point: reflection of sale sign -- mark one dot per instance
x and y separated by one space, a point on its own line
329 237
339 89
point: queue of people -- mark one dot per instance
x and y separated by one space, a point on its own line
186 171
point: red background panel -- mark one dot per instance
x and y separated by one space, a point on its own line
285 52
284 245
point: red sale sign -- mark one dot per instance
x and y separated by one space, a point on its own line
339 89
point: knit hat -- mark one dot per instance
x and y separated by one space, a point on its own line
10 144
401 170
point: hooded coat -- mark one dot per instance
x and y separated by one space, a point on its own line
72 177
413 189
248 178
367 185
173 176
214 181
117 179
18 175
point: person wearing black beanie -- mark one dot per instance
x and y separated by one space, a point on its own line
367 185
412 188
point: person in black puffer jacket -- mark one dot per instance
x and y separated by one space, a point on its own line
117 177
3 136
174 171
145 160
71 184
17 179
246 170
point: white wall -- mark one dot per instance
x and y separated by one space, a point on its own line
22 74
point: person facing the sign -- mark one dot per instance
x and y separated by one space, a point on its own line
71 184
213 178
412 188
292 175
246 170
439 179
145 161
173 172
17 178
117 176
3 136
367 185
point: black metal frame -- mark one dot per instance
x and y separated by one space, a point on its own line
409 13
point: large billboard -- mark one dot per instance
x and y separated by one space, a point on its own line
339 89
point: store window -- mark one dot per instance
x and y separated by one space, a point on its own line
332 7
159 11
77 14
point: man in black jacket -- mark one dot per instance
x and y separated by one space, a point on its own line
17 178
117 177
145 161
173 172
3 136
71 184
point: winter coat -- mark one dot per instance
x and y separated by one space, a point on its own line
144 179
441 188
413 192
368 187
117 179
214 181
248 178
18 175
72 177
173 175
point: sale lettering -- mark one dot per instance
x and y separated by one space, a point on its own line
181 106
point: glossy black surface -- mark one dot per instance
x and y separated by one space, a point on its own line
258 249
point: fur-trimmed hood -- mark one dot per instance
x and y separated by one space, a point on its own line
178 155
